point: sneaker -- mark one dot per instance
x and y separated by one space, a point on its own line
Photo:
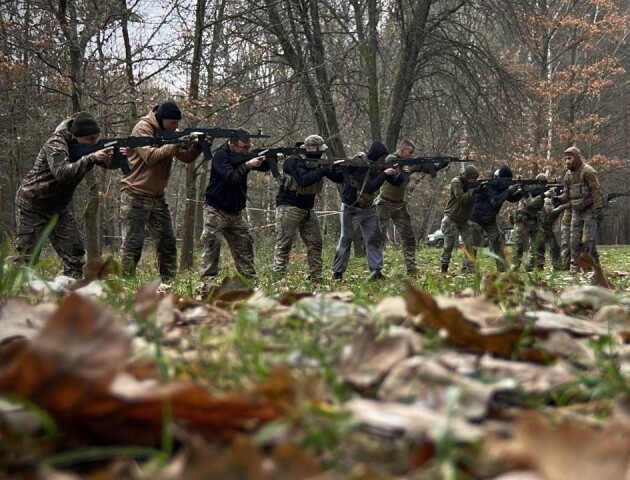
376 275
337 275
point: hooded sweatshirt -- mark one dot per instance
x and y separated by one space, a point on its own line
151 166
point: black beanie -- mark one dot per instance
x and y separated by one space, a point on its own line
169 111
377 150
504 172
84 125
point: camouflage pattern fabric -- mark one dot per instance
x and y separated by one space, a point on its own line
580 225
528 236
399 214
32 219
451 231
151 213
565 239
551 244
495 241
289 221
235 230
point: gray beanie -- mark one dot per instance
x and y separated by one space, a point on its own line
84 125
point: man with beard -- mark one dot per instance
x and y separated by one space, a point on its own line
582 190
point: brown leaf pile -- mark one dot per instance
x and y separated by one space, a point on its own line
75 369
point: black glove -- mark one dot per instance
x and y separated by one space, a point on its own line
598 214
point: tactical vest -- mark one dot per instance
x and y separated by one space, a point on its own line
291 184
579 193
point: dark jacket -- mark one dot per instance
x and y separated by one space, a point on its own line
488 203
227 188
305 176
354 181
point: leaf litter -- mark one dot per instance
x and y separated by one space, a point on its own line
518 383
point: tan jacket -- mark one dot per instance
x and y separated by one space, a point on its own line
151 166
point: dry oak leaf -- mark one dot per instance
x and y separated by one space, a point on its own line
572 449
74 369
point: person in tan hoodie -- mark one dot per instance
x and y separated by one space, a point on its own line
143 202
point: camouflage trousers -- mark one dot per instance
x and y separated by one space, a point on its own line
580 226
289 221
235 230
495 241
399 214
552 246
141 213
452 230
565 239
32 220
528 236
365 219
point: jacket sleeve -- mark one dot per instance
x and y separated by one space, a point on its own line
226 171
57 154
304 176
152 155
592 182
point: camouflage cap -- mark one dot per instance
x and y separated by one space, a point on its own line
315 141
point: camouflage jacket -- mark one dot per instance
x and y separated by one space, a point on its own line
53 179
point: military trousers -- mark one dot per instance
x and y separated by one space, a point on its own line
580 229
495 241
528 236
290 221
399 214
33 219
452 230
235 230
141 213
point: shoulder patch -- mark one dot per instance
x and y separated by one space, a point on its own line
58 158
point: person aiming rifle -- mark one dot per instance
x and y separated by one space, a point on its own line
489 199
45 195
295 200
143 201
226 198
391 203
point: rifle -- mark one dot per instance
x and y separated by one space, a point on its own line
536 190
506 182
608 197
78 150
434 163
204 136
361 161
271 156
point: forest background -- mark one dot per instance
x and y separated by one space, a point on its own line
500 81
